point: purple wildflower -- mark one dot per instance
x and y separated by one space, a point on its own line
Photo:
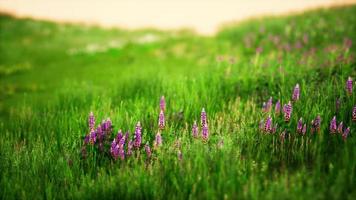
203 117
108 125
93 136
114 149
277 108
86 139
312 129
354 114
304 130
333 125
300 125
127 135
122 142
121 152
205 132
296 93
129 147
162 104
119 135
91 121
161 121
287 109
349 86
148 151
138 138
195 130
346 133
158 140
340 128
100 133
268 124
317 123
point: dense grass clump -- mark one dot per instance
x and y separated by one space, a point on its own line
246 113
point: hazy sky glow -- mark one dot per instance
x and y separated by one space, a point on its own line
204 16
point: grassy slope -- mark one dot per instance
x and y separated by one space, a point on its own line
52 75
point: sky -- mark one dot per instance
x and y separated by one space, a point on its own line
204 16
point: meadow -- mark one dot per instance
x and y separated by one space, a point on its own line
53 75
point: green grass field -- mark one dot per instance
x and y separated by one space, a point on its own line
53 75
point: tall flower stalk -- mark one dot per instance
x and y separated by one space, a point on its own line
349 86
91 121
161 120
158 140
296 93
300 125
287 109
205 132
138 133
333 125
268 125
195 131
354 114
203 117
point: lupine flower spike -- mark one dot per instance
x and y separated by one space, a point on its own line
287 109
195 130
162 104
277 108
300 125
148 151
340 128
158 140
205 132
317 123
91 121
138 130
296 93
354 114
346 133
349 86
203 117
92 139
114 150
129 147
161 121
268 125
333 126
119 135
